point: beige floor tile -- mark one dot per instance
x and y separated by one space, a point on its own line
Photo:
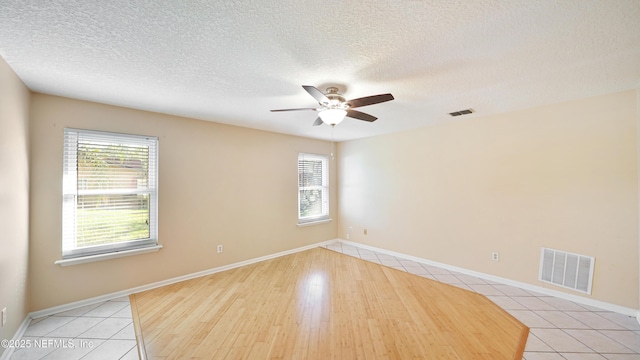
81 348
47 325
563 305
627 322
486 289
599 342
511 291
560 341
107 309
542 356
448 279
107 328
536 345
622 356
561 320
629 339
76 327
506 302
470 280
112 349
582 356
531 319
533 303
594 321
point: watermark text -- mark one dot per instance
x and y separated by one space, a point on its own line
46 343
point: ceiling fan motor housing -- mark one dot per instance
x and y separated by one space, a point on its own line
336 100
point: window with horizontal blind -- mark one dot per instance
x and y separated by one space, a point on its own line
110 192
313 188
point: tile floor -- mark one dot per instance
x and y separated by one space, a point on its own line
560 329
99 331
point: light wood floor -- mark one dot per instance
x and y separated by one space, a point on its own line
319 304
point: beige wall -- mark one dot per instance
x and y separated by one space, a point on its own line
562 176
14 198
218 184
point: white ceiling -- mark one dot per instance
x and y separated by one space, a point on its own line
232 61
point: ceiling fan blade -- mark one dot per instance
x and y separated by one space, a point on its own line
317 94
361 116
298 109
369 100
318 122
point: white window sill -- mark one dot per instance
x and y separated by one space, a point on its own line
310 223
113 255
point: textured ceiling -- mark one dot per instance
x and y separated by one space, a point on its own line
232 61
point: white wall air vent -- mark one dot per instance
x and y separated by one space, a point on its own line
571 271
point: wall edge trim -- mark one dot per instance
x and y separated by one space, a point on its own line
578 299
117 294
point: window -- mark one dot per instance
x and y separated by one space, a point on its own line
110 198
313 188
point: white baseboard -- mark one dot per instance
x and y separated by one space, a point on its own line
98 299
578 299
115 295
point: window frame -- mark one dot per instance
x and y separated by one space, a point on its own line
324 187
71 191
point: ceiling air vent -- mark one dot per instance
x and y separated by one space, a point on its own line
461 112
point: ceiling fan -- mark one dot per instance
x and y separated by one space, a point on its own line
333 106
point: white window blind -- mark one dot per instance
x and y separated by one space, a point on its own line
313 187
109 192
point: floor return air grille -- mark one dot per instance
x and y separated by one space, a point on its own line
569 270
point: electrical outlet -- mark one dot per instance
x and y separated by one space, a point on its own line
495 256
219 249
347 236
350 229
365 231
4 316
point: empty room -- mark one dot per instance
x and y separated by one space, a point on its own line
392 179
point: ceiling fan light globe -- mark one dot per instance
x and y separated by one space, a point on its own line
332 117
